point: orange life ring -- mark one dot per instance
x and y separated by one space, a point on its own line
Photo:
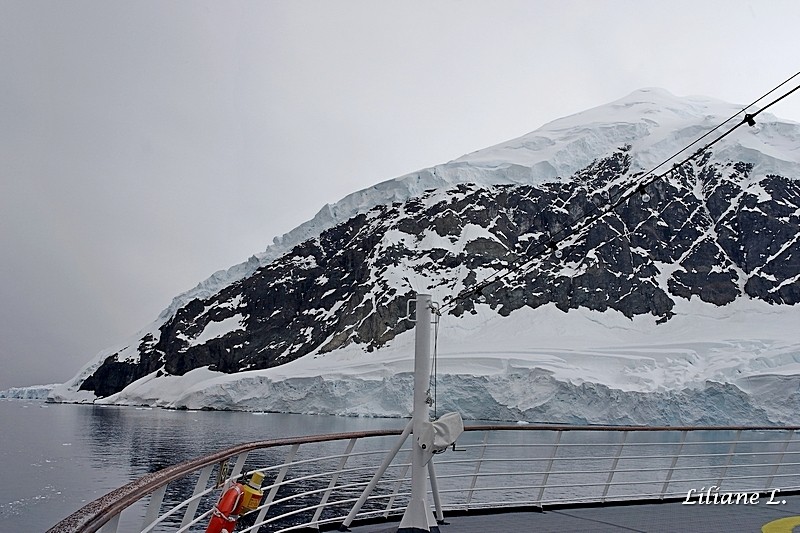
221 518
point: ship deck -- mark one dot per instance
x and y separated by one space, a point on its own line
656 517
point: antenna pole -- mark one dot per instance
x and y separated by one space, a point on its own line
418 517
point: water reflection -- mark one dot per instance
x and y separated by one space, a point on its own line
151 439
58 457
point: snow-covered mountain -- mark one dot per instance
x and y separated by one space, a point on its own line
678 309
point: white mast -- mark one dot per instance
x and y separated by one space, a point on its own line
418 516
429 437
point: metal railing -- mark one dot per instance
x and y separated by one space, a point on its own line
319 481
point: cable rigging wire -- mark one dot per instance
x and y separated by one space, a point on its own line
437 315
595 212
747 120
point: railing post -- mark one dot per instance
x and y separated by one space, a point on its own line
112 525
377 476
437 500
731 455
478 464
780 460
334 478
237 468
154 506
614 466
199 487
397 485
672 466
274 490
549 468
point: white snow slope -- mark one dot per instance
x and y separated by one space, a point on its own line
535 365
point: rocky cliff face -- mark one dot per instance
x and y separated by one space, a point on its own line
712 230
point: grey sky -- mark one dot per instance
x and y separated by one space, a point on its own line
145 145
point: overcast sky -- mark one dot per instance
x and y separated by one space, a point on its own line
145 145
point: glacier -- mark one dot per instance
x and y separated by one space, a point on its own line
738 363
33 392
535 366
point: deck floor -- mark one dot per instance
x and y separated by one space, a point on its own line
655 518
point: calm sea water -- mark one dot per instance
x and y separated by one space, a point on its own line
55 458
